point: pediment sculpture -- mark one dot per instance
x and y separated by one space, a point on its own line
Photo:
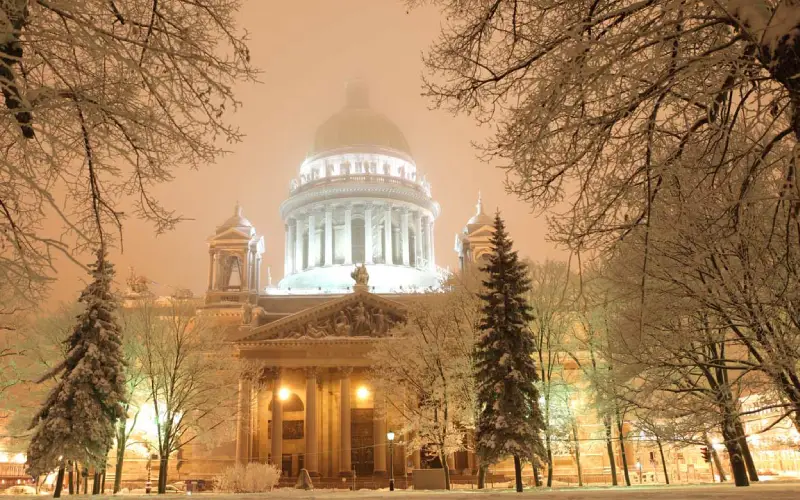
357 320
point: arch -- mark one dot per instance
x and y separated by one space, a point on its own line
294 403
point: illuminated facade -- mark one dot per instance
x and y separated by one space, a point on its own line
358 200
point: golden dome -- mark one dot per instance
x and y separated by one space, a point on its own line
358 126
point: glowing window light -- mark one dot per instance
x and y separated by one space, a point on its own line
284 393
362 392
3 457
19 458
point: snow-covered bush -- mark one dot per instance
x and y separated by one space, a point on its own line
250 478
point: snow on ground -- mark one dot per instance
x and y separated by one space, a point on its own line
771 491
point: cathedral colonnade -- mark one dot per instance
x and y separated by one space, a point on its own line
326 420
347 233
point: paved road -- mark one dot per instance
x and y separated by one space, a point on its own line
764 491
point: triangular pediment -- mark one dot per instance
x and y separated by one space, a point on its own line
231 234
359 314
482 231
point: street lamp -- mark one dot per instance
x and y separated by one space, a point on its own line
390 437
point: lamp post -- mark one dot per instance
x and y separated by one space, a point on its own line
390 437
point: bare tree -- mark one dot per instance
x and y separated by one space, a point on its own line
188 371
596 100
103 100
429 362
551 297
135 381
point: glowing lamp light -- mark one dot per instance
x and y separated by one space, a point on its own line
390 436
362 392
284 393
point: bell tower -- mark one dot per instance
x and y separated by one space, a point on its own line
474 244
234 270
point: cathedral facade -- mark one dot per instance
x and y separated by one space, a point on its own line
359 221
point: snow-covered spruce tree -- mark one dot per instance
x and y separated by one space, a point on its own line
509 418
77 420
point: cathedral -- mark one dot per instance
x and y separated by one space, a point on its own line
359 221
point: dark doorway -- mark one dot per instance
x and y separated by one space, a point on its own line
286 465
362 439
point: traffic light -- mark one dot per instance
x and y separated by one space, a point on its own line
706 454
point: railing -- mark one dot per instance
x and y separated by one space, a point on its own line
371 178
11 470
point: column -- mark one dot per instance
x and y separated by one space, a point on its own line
387 234
243 422
258 272
431 263
312 451
247 272
298 245
379 435
368 233
404 236
348 235
345 462
328 236
313 251
416 459
211 259
417 238
290 249
277 422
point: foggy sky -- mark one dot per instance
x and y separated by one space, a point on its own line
307 51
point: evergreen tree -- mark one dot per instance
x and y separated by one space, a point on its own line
77 420
509 418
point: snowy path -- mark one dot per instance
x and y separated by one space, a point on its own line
773 491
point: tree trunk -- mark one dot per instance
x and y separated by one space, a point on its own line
537 480
481 476
162 475
718 463
549 462
59 482
663 460
738 467
577 452
118 471
96 482
103 482
610 449
121 445
446 467
77 479
85 475
622 451
748 457
70 481
518 473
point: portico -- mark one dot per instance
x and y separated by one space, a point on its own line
305 400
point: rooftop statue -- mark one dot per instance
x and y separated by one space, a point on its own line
360 275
